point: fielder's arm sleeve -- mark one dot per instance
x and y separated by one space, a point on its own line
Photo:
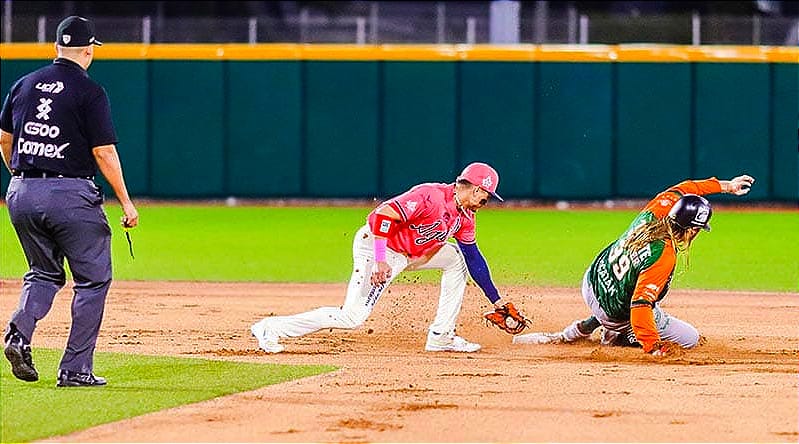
478 268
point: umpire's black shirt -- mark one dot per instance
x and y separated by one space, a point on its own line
57 114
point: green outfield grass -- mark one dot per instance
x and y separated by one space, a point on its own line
137 385
745 250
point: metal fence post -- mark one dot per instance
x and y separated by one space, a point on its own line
304 18
756 29
583 29
441 21
146 30
252 31
41 29
471 30
373 22
696 29
360 30
540 19
7 22
572 24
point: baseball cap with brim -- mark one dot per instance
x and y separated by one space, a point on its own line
483 176
74 32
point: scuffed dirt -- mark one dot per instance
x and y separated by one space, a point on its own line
740 385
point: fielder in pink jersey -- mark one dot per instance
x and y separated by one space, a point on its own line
408 232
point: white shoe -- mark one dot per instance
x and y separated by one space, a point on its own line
267 339
539 338
449 342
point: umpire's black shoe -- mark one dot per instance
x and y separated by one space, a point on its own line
67 378
18 353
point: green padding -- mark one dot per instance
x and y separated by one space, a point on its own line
187 129
419 118
264 115
732 122
126 85
341 129
10 72
653 112
785 109
574 143
497 110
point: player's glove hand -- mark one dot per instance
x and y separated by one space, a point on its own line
507 318
667 349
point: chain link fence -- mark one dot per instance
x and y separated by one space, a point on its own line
425 22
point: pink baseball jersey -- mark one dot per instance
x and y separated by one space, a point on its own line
429 217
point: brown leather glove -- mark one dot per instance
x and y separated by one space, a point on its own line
507 318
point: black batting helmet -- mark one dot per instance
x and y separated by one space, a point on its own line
691 211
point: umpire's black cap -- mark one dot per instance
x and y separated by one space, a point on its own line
75 32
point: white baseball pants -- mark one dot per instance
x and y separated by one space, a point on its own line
669 327
362 295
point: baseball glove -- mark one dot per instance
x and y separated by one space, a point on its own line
507 318
667 348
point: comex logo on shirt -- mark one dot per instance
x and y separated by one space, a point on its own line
50 150
34 148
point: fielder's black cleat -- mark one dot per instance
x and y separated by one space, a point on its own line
18 353
67 378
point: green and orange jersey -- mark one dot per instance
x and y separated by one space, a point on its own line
626 283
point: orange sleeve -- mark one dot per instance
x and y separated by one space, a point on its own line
700 187
662 203
642 320
651 283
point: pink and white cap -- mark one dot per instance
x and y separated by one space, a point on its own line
483 176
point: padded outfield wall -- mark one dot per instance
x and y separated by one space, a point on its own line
558 122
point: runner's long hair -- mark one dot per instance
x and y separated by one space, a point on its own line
659 229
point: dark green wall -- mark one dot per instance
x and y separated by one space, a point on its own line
263 122
653 127
363 129
784 128
497 122
187 135
126 84
732 122
574 143
341 129
418 124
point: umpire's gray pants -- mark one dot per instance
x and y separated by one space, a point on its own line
56 218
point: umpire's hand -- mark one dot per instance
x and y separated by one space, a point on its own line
131 217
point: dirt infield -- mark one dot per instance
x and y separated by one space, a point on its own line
741 385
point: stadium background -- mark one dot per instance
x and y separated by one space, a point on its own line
315 101
559 119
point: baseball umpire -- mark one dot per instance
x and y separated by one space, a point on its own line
410 232
625 283
56 130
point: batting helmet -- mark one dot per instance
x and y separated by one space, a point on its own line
691 211
483 176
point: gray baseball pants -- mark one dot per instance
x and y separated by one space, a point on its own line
669 327
57 218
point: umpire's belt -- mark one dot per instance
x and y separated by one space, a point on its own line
40 174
